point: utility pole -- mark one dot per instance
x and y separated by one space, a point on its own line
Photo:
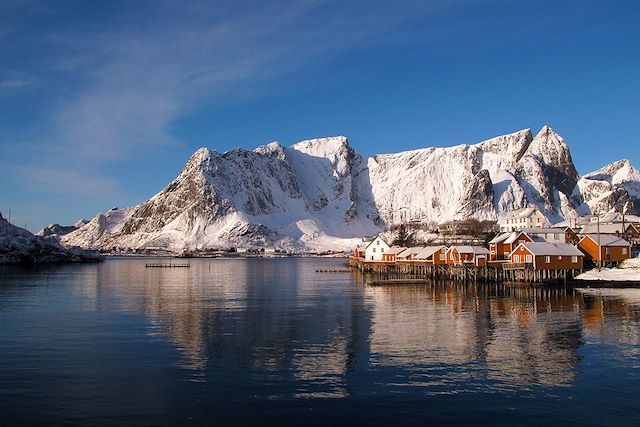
599 247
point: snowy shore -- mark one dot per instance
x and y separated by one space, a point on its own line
629 271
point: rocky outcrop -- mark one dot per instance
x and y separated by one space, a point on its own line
18 245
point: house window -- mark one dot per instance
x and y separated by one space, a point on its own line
624 251
381 249
516 258
374 250
442 257
559 257
506 254
378 242
607 251
528 258
547 259
574 259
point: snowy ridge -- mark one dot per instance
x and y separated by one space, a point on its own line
613 186
320 194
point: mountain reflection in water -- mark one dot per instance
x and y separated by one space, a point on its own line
270 330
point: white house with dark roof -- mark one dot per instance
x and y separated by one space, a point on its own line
375 248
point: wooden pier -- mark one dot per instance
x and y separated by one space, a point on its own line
492 273
170 265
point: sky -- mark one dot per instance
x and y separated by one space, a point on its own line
102 103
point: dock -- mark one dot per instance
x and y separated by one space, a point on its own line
333 270
491 273
170 265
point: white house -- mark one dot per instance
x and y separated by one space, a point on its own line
519 219
375 248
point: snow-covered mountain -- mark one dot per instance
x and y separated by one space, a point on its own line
616 185
320 194
55 231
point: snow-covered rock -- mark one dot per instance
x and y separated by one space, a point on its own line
320 194
18 245
612 187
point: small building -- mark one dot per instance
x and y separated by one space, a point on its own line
523 218
467 255
547 256
613 249
503 244
627 231
455 227
374 248
432 255
409 253
390 254
553 235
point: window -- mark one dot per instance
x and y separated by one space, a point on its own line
624 251
381 249
528 258
559 257
547 260
443 257
378 242
558 236
506 254
607 251
374 250
516 258
574 259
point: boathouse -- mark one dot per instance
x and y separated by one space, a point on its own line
390 254
613 249
436 255
467 255
503 244
547 256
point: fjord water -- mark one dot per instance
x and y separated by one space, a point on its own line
270 341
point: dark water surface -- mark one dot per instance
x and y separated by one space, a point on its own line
270 341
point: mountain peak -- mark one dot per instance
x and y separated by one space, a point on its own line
549 133
272 149
323 145
615 173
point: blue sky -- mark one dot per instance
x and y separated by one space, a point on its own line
101 103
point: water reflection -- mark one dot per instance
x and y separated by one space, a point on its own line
280 321
277 337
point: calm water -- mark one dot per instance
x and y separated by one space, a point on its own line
258 341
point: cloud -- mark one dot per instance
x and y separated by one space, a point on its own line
60 181
124 80
14 83
138 79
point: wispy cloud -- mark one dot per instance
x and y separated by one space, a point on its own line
59 181
138 79
130 80
14 83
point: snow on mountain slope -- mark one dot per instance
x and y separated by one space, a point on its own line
320 194
611 187
103 225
